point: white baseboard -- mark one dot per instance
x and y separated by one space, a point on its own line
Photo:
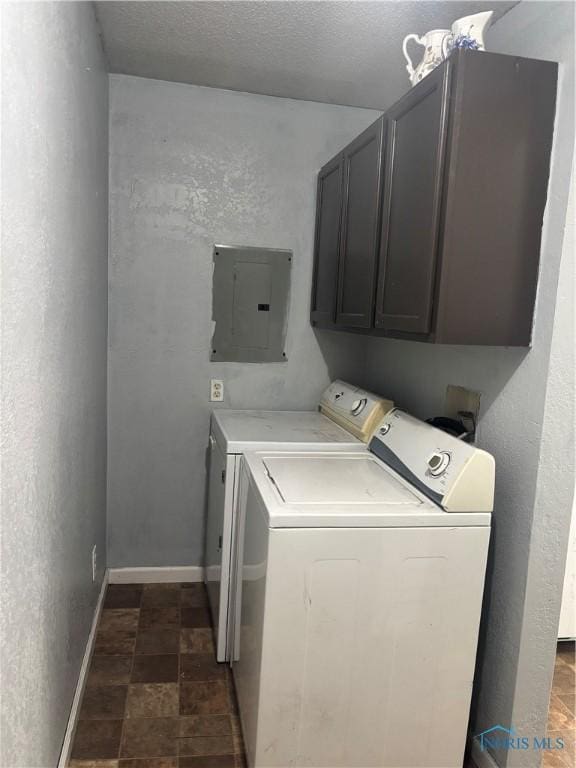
82 677
155 575
481 757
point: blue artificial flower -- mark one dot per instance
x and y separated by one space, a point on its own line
463 41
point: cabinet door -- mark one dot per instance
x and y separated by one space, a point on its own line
327 244
412 200
360 228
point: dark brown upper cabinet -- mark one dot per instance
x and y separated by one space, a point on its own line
360 228
327 244
347 234
494 195
417 127
465 179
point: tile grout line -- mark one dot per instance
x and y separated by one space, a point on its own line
179 670
130 678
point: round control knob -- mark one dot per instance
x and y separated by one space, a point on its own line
438 463
384 429
358 406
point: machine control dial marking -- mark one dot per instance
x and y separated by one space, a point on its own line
358 406
438 463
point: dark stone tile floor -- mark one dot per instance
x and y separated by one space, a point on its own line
155 696
562 710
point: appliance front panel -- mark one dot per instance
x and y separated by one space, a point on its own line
250 613
218 543
358 646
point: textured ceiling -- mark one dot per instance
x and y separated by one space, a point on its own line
336 52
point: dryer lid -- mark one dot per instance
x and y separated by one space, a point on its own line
241 431
336 479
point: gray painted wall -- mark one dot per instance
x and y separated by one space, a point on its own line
54 295
526 422
191 166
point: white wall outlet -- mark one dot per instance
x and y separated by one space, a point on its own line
94 562
216 390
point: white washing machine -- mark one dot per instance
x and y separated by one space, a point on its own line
361 591
347 418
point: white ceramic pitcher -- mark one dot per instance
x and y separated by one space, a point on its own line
468 32
436 48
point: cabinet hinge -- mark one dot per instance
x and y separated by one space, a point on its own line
223 475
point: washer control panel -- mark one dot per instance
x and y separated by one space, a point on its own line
454 474
355 409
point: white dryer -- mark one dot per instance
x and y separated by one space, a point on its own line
360 599
347 418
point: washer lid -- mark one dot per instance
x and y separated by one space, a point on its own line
347 489
337 479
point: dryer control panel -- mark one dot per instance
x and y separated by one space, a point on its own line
454 474
355 409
